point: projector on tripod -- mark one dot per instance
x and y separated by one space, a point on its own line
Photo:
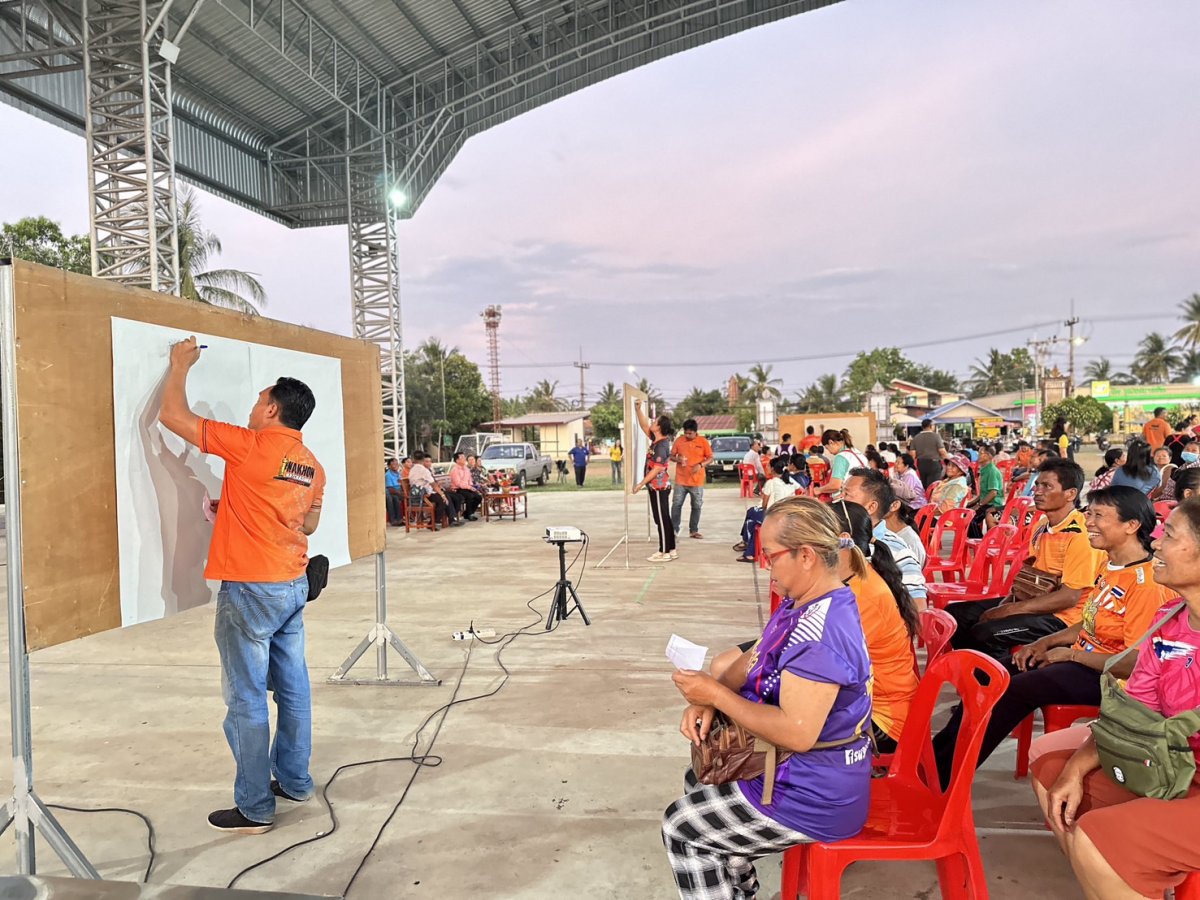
564 591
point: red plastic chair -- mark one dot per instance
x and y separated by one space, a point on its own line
985 578
749 479
937 627
1190 889
1014 488
923 525
1006 467
776 597
910 818
929 490
1054 718
956 521
1163 508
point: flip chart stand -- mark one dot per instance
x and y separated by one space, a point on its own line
381 637
30 815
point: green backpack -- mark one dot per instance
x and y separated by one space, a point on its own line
1141 750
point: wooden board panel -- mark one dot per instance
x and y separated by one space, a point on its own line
65 423
860 425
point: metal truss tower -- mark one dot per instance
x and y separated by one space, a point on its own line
131 164
375 280
491 321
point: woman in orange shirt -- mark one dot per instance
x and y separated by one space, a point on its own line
889 620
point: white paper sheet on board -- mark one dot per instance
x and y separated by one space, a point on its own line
162 532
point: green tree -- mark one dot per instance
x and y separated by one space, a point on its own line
936 379
511 407
762 384
1000 372
445 395
606 420
883 365
41 240
231 288
1086 415
1189 334
1101 370
700 403
745 416
1156 359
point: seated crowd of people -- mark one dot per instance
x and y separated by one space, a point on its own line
833 676
410 484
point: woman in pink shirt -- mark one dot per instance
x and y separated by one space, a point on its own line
1122 845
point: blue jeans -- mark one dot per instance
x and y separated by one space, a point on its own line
752 522
260 636
697 495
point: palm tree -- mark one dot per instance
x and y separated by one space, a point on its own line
993 375
653 397
1189 366
1156 359
1098 370
823 395
544 397
1189 334
761 382
609 396
231 288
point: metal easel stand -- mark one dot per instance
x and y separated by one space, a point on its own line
380 637
29 813
624 539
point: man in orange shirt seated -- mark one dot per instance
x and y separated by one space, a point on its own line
270 504
1060 547
1157 429
691 452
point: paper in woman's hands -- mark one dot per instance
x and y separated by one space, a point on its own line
684 654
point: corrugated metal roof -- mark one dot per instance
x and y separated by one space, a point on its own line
246 80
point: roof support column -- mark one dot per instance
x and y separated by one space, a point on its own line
375 279
131 160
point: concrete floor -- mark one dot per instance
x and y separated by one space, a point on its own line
553 788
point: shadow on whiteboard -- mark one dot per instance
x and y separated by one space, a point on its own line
178 476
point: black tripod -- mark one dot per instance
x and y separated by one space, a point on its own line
559 609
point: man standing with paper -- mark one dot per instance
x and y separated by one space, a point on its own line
270 503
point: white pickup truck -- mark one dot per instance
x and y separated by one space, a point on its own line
523 459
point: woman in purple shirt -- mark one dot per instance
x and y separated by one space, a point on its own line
805 683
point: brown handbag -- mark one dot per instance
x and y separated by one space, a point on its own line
1033 582
731 753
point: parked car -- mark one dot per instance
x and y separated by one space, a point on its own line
728 451
522 459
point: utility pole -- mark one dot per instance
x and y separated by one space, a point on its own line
582 367
1071 323
1041 351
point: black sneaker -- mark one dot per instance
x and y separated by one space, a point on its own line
278 791
232 821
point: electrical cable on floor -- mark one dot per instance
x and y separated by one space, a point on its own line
109 809
423 759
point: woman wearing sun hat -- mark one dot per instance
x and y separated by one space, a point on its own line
952 492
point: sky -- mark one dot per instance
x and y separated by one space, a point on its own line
870 174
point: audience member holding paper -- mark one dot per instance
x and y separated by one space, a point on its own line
805 686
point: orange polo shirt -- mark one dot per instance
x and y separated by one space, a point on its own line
1156 432
1064 550
693 453
271 483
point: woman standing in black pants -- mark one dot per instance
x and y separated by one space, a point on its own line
1065 667
658 481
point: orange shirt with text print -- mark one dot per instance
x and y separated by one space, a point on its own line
689 473
1121 607
272 481
1064 549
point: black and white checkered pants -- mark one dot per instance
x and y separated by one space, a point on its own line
713 836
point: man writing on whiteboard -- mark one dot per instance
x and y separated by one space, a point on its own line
270 503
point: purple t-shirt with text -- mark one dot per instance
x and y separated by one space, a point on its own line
822 793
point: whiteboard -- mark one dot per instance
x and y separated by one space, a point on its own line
636 441
162 533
